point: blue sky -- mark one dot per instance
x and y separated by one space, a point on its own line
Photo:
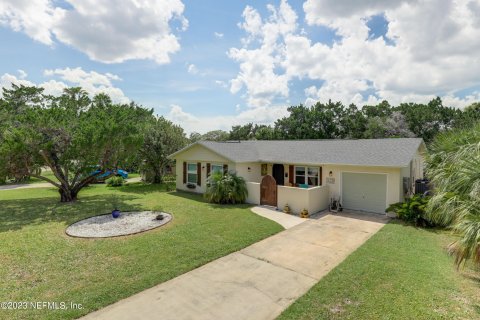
212 64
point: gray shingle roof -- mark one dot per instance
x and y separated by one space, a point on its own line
369 152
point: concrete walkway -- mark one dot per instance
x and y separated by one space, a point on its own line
258 282
45 185
285 220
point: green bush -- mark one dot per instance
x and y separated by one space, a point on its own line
226 188
115 181
412 210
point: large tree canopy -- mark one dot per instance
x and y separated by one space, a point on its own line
333 120
71 134
161 139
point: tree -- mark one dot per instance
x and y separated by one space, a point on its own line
382 110
194 137
161 139
321 121
393 126
245 132
353 123
215 135
264 132
71 134
454 170
469 116
427 120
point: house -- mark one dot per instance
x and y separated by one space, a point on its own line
364 174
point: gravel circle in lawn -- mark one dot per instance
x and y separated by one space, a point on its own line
128 223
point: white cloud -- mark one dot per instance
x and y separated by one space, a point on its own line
258 66
92 82
203 124
22 74
434 52
36 18
218 35
192 69
105 30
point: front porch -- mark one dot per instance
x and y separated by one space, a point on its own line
314 199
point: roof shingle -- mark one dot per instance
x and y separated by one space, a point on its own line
396 152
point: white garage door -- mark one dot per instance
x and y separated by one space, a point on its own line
364 191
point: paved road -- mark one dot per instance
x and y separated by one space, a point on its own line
258 282
45 185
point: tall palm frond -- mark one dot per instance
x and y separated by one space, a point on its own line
454 170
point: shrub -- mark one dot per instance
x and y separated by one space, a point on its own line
115 181
412 210
226 188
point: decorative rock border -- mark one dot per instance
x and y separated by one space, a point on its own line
105 226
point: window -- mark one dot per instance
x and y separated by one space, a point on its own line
307 175
299 175
312 176
217 168
192 173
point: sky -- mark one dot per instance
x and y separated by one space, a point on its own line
211 64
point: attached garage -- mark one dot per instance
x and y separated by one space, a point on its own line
364 191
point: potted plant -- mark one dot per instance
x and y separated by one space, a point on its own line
115 204
304 213
286 209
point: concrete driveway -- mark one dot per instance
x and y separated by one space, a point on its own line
258 282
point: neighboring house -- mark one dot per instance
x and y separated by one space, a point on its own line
364 174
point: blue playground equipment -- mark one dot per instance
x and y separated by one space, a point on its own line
108 173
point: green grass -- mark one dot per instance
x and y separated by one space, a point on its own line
400 273
47 173
38 262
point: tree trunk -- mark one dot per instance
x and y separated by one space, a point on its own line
67 196
157 174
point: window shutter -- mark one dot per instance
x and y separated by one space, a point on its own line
225 168
320 182
290 174
184 172
208 169
199 174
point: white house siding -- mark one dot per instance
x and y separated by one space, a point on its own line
253 189
194 155
249 171
313 199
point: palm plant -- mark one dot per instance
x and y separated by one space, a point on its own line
454 170
226 188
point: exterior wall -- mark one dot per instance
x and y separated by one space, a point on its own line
249 171
198 154
313 199
414 170
318 199
253 192
394 180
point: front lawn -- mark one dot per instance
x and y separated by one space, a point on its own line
400 273
38 262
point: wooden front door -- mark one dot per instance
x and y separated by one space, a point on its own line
268 191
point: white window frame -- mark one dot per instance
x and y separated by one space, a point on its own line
192 172
306 176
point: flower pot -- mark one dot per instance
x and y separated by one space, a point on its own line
116 213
